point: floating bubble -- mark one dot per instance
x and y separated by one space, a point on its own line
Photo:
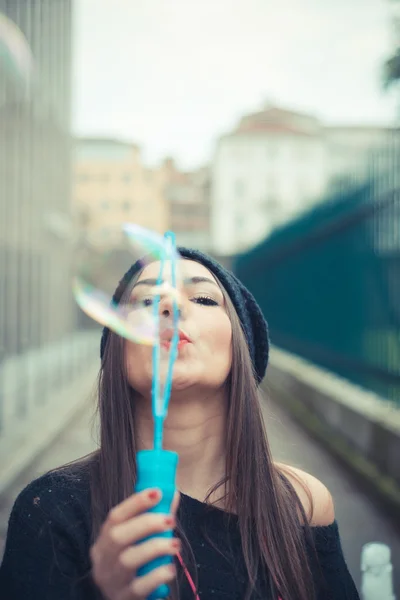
101 259
16 59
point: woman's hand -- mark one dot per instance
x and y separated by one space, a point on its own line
115 559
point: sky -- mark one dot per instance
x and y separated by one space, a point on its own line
174 75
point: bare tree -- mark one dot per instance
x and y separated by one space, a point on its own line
391 69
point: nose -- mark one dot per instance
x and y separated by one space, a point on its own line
167 302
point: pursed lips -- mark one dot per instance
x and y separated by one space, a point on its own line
166 338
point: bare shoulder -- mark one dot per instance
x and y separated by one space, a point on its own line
313 494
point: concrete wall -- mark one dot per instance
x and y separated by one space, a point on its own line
359 427
40 394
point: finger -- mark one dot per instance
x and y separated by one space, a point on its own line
138 528
107 548
141 587
119 573
132 506
135 557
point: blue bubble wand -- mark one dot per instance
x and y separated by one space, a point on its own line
157 467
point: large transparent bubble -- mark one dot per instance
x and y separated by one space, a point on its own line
16 59
100 262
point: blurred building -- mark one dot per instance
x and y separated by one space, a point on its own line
35 106
113 186
188 195
350 149
275 164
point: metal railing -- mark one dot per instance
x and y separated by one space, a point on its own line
41 390
34 378
329 281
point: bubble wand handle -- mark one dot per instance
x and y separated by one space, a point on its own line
157 467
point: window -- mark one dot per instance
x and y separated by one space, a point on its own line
272 150
127 177
239 188
105 204
302 188
83 177
239 222
271 184
126 205
271 203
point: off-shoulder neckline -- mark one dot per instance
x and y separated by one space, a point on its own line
199 507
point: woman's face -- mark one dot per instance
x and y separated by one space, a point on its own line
204 357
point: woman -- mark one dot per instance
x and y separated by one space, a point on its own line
246 527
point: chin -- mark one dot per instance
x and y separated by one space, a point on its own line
182 385
183 381
185 376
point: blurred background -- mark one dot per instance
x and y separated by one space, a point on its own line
265 133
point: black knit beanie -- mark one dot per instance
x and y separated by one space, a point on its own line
251 318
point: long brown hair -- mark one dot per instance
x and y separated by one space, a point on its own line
272 520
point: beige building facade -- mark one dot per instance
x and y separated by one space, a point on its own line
188 194
113 186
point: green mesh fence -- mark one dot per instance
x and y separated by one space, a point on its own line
329 282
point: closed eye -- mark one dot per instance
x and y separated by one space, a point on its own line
149 301
204 300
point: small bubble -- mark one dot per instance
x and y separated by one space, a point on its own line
49 490
49 522
29 515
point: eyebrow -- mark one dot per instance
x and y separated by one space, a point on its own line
187 281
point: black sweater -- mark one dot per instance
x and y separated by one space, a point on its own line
47 548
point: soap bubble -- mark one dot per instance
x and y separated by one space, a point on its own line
16 59
100 261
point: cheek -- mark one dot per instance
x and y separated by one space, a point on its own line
218 335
